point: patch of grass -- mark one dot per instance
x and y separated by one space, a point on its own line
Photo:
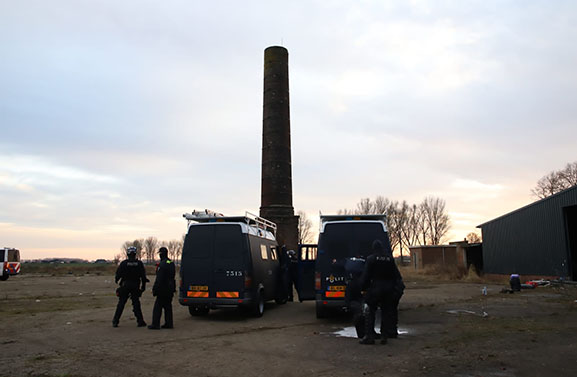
54 304
76 269
473 329
449 274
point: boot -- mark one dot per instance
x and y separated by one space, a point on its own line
360 326
367 340
369 337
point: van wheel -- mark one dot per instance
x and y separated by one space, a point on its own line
4 277
196 311
321 310
258 308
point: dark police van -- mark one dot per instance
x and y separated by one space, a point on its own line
229 262
340 237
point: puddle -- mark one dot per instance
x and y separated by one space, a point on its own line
351 332
461 311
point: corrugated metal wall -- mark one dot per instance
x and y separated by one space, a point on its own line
531 240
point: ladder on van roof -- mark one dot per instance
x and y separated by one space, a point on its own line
250 219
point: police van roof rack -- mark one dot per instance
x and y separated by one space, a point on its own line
250 219
260 222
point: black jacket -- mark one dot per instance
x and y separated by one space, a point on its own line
131 274
380 272
164 285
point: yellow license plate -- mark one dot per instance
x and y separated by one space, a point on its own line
199 287
336 288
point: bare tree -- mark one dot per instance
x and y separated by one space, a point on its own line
422 226
174 249
179 249
473 238
411 230
396 222
125 247
150 245
436 219
136 243
570 174
381 205
139 244
556 181
365 207
408 224
305 228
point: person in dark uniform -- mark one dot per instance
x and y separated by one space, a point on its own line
292 273
398 290
284 276
378 280
132 278
354 299
163 289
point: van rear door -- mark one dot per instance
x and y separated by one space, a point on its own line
196 262
305 280
230 253
213 261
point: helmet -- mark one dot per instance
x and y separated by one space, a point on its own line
131 250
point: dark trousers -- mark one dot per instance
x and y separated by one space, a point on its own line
356 308
392 329
385 301
354 301
162 303
123 295
291 280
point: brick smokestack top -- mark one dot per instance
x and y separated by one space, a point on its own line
276 184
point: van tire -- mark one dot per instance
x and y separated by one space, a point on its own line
258 308
5 276
321 310
196 311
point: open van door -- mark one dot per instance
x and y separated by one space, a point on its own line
305 284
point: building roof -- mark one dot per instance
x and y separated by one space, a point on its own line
560 193
431 246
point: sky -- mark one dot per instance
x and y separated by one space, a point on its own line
116 117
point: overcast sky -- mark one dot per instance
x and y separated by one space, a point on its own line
118 116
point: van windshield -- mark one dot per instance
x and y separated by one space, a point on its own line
342 240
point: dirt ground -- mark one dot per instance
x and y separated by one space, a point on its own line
61 326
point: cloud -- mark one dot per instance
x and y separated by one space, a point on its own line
30 167
118 116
